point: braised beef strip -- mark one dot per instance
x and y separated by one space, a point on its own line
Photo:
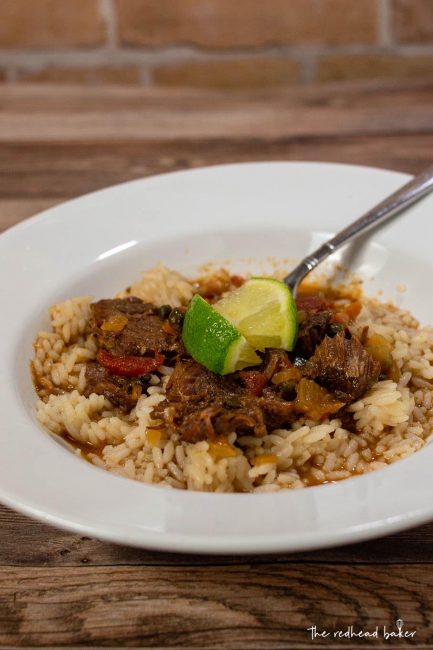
141 332
200 404
313 327
327 370
125 328
121 391
343 366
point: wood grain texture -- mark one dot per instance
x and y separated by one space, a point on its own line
256 605
136 114
241 120
52 172
61 589
12 211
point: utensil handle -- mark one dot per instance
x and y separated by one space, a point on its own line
402 198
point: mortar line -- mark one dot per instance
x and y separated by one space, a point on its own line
148 58
108 14
384 29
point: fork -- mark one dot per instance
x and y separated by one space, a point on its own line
412 191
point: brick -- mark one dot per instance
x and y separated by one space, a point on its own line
229 74
412 20
246 23
50 23
371 66
90 75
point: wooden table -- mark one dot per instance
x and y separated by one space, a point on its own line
60 589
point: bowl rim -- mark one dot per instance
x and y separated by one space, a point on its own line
166 538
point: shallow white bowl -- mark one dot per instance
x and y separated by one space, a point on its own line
100 243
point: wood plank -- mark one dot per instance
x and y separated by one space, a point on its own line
48 98
42 545
266 606
57 588
242 121
71 114
59 171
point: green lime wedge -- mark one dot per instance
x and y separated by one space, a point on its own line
214 342
264 311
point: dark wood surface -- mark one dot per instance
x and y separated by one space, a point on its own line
60 589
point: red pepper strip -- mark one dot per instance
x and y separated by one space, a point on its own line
313 303
237 280
129 366
254 381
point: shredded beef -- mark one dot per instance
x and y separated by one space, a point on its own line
115 388
207 420
274 361
103 309
192 382
343 366
313 328
278 412
142 334
312 303
202 405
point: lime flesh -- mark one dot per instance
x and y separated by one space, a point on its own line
213 341
264 312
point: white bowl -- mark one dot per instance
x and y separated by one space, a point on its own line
100 243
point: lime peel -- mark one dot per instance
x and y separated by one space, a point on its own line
213 341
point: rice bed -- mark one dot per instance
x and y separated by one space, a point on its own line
393 420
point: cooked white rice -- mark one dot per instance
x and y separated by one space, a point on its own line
161 286
393 420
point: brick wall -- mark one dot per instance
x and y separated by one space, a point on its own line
214 43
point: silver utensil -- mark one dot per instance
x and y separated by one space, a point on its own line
389 207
